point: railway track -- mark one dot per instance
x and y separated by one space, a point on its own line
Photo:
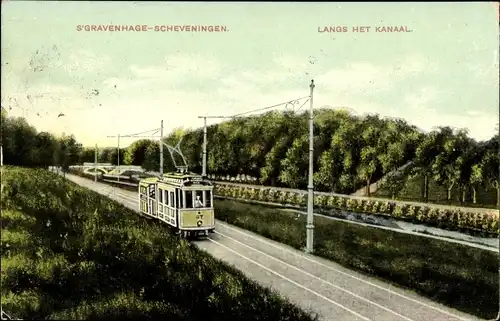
315 284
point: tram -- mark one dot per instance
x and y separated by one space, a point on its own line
182 199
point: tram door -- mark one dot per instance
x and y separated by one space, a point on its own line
180 203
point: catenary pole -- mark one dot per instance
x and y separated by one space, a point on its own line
310 194
161 148
204 171
95 163
118 154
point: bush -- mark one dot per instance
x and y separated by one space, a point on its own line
425 214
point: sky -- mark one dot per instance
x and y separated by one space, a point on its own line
442 72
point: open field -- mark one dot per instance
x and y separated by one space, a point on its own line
459 276
70 253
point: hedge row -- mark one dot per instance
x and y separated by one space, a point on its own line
243 179
442 217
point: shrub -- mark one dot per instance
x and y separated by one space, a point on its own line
384 208
320 200
272 195
399 211
301 199
367 206
422 214
352 204
282 197
342 202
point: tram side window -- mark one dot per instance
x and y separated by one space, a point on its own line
189 200
160 195
167 199
143 190
172 195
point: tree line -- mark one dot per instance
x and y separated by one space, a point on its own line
351 152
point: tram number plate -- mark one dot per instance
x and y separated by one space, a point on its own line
199 219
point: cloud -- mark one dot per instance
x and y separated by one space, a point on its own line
175 68
174 72
421 100
85 61
366 78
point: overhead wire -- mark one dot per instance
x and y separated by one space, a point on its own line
305 102
156 130
269 107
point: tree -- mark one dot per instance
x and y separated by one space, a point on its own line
491 166
278 135
135 154
346 144
369 162
448 164
330 164
112 156
45 148
394 182
19 141
295 166
68 152
425 154
476 178
87 155
152 158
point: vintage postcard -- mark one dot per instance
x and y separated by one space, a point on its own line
250 161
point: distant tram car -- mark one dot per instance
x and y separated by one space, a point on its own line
181 199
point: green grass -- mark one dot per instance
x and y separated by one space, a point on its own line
456 275
70 253
439 194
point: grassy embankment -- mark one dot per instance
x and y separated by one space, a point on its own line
456 275
70 253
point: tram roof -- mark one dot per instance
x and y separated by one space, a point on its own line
178 179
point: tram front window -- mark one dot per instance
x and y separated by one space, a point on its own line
189 199
199 199
207 198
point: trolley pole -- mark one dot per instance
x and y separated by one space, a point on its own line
95 163
310 215
161 149
204 172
